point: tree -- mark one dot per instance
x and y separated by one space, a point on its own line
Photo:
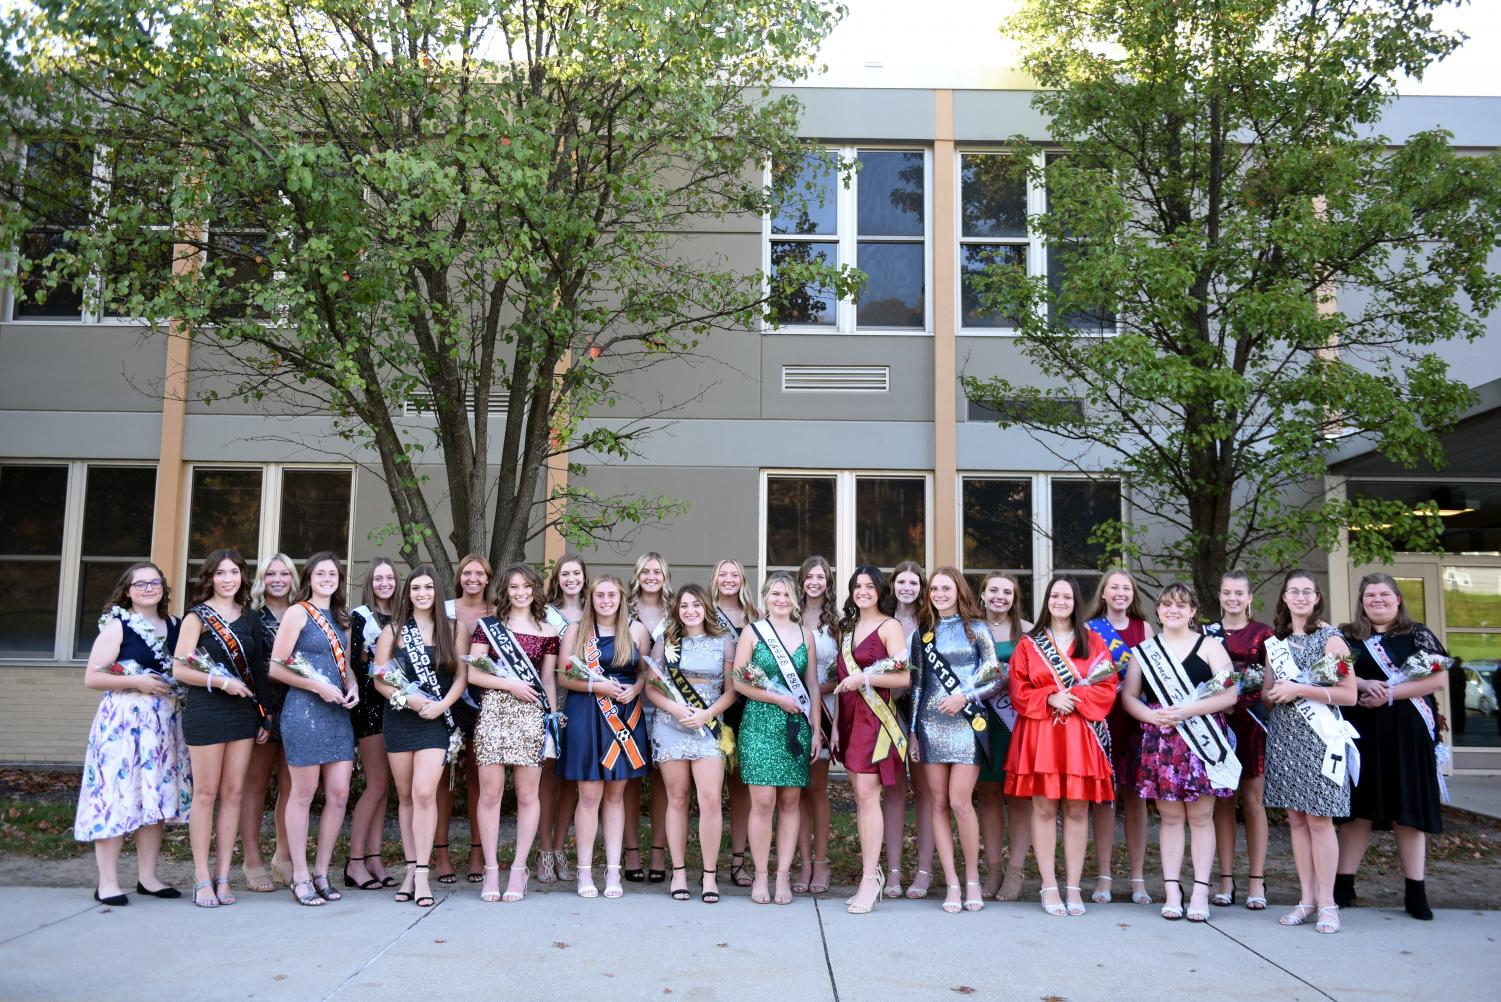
1243 270
404 211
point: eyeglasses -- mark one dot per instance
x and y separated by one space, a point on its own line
150 584
1302 593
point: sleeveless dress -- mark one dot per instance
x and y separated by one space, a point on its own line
1058 758
1294 753
1125 732
510 731
213 717
997 708
1168 770
404 730
136 770
944 739
826 654
1247 648
765 759
701 659
314 731
858 726
587 737
367 716
1398 770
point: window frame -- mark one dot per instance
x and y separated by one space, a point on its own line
847 240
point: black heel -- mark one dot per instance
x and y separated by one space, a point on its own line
1220 897
405 896
658 876
681 893
446 878
637 875
389 881
426 901
1194 914
1416 901
1344 890
709 897
737 870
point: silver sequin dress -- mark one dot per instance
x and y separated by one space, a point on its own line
701 660
948 740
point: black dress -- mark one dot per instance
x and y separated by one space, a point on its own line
212 717
1398 772
276 692
367 715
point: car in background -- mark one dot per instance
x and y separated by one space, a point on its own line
1480 692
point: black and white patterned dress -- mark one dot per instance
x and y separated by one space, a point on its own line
1295 754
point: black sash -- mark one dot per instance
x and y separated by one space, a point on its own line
422 666
685 688
725 622
233 648
944 672
504 643
1066 678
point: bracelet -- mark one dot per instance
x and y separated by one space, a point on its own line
1328 697
591 686
1391 695
211 683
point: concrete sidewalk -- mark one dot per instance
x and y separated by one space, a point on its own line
55 944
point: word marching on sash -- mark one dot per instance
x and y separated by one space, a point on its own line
891 735
768 636
1065 677
1341 757
341 660
684 693
1419 703
236 652
1115 644
415 650
504 643
1169 680
944 671
622 731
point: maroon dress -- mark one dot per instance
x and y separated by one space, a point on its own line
858 726
1247 648
1125 730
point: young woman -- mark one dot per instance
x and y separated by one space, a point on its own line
909 586
951 655
367 822
272 596
819 613
1000 593
224 715
315 726
647 602
513 719
418 726
474 599
1187 756
1244 639
734 610
693 658
558 796
779 730
1119 616
1399 788
604 744
867 730
1296 752
1057 752
135 771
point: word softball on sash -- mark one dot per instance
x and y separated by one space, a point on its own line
1341 757
1115 644
1065 677
1395 676
767 634
684 693
504 643
622 732
891 735
973 712
341 660
415 650
1169 680
236 651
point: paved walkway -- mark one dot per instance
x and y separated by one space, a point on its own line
54 944
1476 794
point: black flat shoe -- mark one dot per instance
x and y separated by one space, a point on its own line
114 900
166 892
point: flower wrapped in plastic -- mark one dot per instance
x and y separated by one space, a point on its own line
299 665
1228 682
1100 669
486 666
129 668
1251 681
201 660
1421 665
1327 671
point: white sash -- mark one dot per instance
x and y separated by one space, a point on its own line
1338 734
370 632
1203 735
768 636
451 608
1394 677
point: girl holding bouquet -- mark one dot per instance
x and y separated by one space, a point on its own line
1172 678
604 744
815 578
557 796
867 730
774 671
417 726
271 595
1000 815
223 718
734 610
474 598
512 728
135 771
367 822
954 672
311 657
1400 788
647 602
1298 759
1063 684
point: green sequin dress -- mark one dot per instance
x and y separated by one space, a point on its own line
764 758
1000 736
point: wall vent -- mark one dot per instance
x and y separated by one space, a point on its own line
836 378
421 402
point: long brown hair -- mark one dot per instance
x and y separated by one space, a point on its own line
969 610
203 585
1076 618
674 630
121 595
828 615
885 601
1360 628
554 591
538 608
1013 614
1282 622
338 604
1099 608
443 639
368 598
458 577
625 646
922 589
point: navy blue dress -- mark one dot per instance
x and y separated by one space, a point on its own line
587 737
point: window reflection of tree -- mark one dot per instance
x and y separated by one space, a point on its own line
792 300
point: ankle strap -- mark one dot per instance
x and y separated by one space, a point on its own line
440 845
1202 883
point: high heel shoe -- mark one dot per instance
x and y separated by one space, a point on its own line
1330 924
612 890
1140 897
654 876
1198 914
891 885
545 872
976 903
1298 915
491 896
325 887
449 877
1101 895
707 896
512 896
777 897
1059 910
586 888
737 870
403 896
387 880
1172 912
916 893
1224 898
815 886
956 906
1256 902
681 893
858 909
560 858
636 874
426 900
213 900
1074 909
369 885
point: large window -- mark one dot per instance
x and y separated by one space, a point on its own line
92 519
259 511
57 187
847 517
877 224
1470 511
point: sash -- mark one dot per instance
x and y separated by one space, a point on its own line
232 647
1256 710
944 672
451 608
422 666
891 735
504 643
1341 757
767 634
672 669
1066 678
334 643
1420 703
623 731
371 630
725 622
1115 644
1169 680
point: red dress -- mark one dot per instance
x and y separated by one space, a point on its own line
1247 648
1059 760
858 726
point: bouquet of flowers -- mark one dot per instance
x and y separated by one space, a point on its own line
486 665
129 668
754 677
1217 685
983 678
1103 668
389 674
200 660
1327 671
1251 680
1421 665
580 672
300 666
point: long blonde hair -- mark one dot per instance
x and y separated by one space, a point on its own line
747 605
625 647
633 596
258 590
